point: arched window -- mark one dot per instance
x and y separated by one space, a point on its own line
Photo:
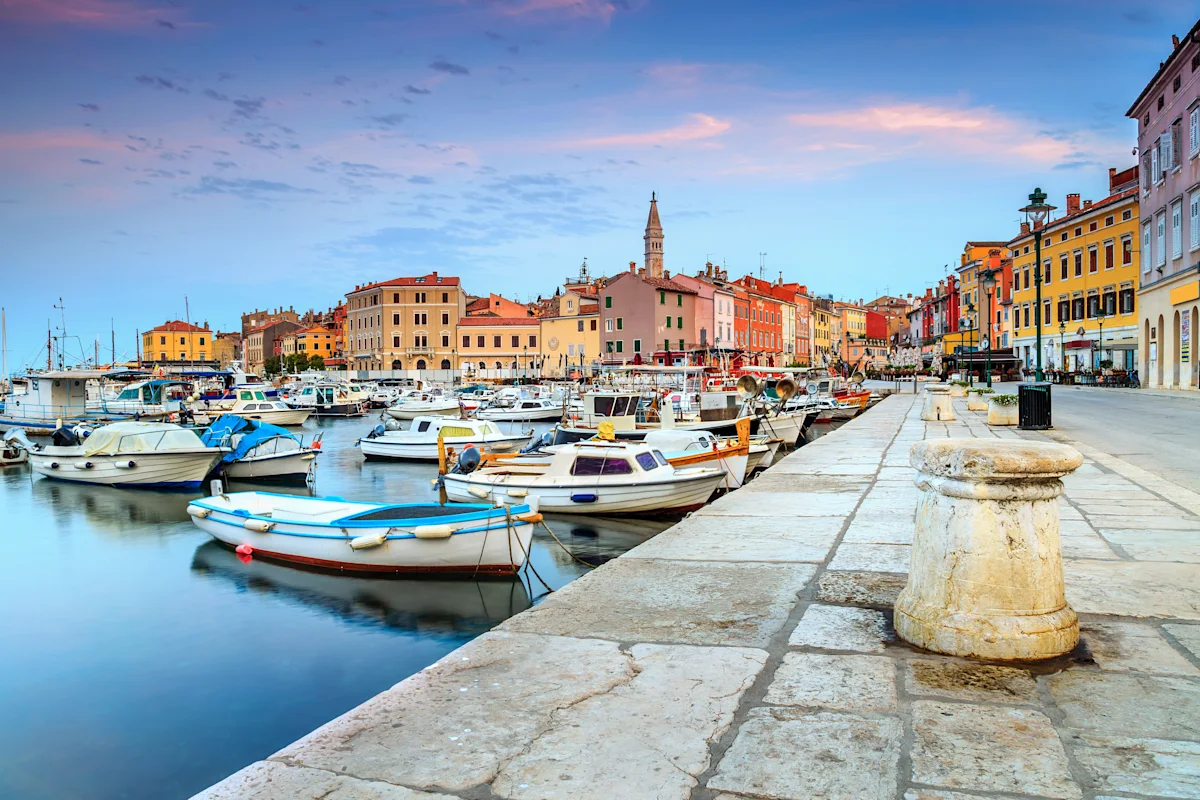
482 365
499 365
420 363
445 363
514 365
396 364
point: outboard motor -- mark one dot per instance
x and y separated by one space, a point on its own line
378 430
65 437
538 442
468 461
393 425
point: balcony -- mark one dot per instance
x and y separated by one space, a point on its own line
422 350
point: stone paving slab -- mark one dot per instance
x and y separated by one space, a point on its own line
748 653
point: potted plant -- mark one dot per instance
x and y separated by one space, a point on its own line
1002 410
977 399
958 388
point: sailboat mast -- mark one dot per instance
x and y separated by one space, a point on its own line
3 350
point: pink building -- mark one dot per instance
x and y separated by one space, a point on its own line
643 318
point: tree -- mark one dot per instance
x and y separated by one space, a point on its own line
272 366
295 362
316 362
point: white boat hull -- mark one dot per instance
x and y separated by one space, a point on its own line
497 551
424 410
520 415
293 416
425 451
296 464
675 496
786 427
174 469
11 458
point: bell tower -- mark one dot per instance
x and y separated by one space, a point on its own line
654 241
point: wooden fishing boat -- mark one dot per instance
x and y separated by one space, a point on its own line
333 533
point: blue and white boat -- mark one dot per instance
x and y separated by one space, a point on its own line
54 399
333 533
261 452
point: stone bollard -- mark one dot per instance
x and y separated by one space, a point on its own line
937 406
986 578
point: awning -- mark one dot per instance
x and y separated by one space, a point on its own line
1079 344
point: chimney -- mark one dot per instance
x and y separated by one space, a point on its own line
433 275
666 274
708 269
1087 204
1024 228
633 266
641 272
1174 42
1072 204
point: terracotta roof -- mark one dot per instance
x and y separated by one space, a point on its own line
986 244
591 308
1112 199
315 329
482 304
485 321
668 285
178 326
432 279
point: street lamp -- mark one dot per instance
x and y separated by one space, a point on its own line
1100 317
1036 214
988 279
1062 348
971 326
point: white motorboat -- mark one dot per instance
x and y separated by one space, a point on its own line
423 404
154 398
261 452
787 426
762 452
700 448
253 404
591 478
420 441
12 453
370 537
326 399
135 454
526 409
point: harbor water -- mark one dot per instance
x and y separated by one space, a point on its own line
143 660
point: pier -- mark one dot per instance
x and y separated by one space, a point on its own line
748 652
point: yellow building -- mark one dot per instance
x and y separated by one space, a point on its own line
225 347
852 332
571 338
1091 259
972 301
404 323
822 334
177 341
316 341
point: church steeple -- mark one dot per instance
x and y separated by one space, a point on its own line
654 241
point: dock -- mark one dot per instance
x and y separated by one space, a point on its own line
748 652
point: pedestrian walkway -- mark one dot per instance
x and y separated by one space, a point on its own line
748 652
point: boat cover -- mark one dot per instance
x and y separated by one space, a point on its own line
139 437
243 435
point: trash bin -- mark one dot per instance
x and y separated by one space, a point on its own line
1034 402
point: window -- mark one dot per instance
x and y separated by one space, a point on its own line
1176 230
1093 259
1078 263
1126 251
533 340
1155 172
1194 221
1109 302
668 322
609 347
1093 305
479 341
608 302
1127 300
466 340
1046 273
1064 310
1175 84
1092 227
593 325
516 341
608 325
1109 262
395 319
579 326
1046 312
395 341
1146 256
593 465
396 297
1176 144
162 340
647 461
620 323
678 299
182 340
681 345
620 345
1126 215
1077 308
445 297
1062 264
1028 283
662 298
445 318
637 345
679 323
1063 237
445 341
1079 231
1108 221
666 344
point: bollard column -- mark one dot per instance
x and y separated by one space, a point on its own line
937 407
986 577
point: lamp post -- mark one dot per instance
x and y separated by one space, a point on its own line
1062 348
1100 317
971 338
988 279
1036 214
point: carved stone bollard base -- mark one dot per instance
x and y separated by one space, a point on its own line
937 407
986 578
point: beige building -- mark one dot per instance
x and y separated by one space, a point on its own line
499 343
404 323
570 338
226 347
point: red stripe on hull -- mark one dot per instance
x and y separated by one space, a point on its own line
340 566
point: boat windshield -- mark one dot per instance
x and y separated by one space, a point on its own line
599 465
647 461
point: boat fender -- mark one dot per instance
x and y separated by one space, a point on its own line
368 540
125 465
583 498
83 465
258 525
199 511
518 492
244 550
478 491
433 531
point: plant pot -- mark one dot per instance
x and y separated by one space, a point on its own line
958 391
1002 415
977 402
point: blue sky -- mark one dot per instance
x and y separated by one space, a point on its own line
257 153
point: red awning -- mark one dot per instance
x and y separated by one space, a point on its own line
1079 344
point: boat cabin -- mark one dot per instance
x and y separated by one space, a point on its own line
51 396
619 408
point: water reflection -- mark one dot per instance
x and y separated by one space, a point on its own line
132 512
437 606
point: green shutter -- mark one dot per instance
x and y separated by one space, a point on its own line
679 323
681 344
668 322
637 345
666 344
678 299
608 302
620 321
620 345
662 298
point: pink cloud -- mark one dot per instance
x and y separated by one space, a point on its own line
698 128
577 9
896 118
115 14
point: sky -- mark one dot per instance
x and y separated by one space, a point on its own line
242 154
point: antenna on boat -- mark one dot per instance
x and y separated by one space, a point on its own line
3 350
62 308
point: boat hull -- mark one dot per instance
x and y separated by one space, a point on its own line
527 415
787 427
295 416
495 551
422 451
295 465
427 411
173 469
666 497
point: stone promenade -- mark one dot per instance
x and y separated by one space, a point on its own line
748 652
